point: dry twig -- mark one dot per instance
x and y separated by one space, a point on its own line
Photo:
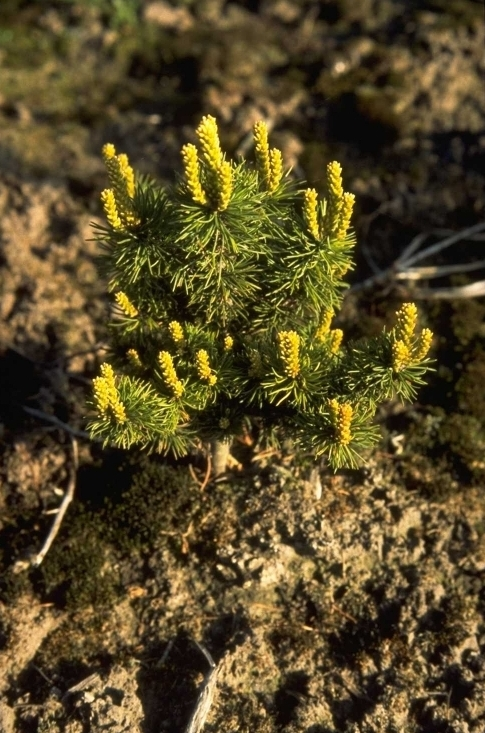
199 716
57 423
68 497
202 484
404 267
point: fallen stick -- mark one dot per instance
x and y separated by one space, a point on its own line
68 497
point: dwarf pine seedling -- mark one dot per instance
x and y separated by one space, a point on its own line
225 288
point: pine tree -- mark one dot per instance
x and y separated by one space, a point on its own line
225 289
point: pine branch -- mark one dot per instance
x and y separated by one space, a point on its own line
224 290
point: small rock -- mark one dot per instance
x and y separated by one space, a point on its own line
167 16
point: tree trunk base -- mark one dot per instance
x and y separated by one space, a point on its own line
219 451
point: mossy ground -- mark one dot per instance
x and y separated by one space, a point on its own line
450 432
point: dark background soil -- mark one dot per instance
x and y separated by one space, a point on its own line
357 609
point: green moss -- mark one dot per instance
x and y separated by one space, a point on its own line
79 569
444 452
145 503
469 387
463 436
445 443
157 507
467 320
74 648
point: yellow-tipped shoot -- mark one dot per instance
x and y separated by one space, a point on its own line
176 332
276 168
310 212
408 347
269 161
335 194
121 176
406 320
423 344
228 343
110 209
402 355
341 418
336 336
223 185
348 201
210 180
289 350
134 358
106 395
125 304
208 136
192 173
261 150
169 374
324 327
203 367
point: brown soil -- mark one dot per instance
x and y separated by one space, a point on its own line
261 603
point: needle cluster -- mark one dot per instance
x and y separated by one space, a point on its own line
224 289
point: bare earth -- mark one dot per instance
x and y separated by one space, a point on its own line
263 602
